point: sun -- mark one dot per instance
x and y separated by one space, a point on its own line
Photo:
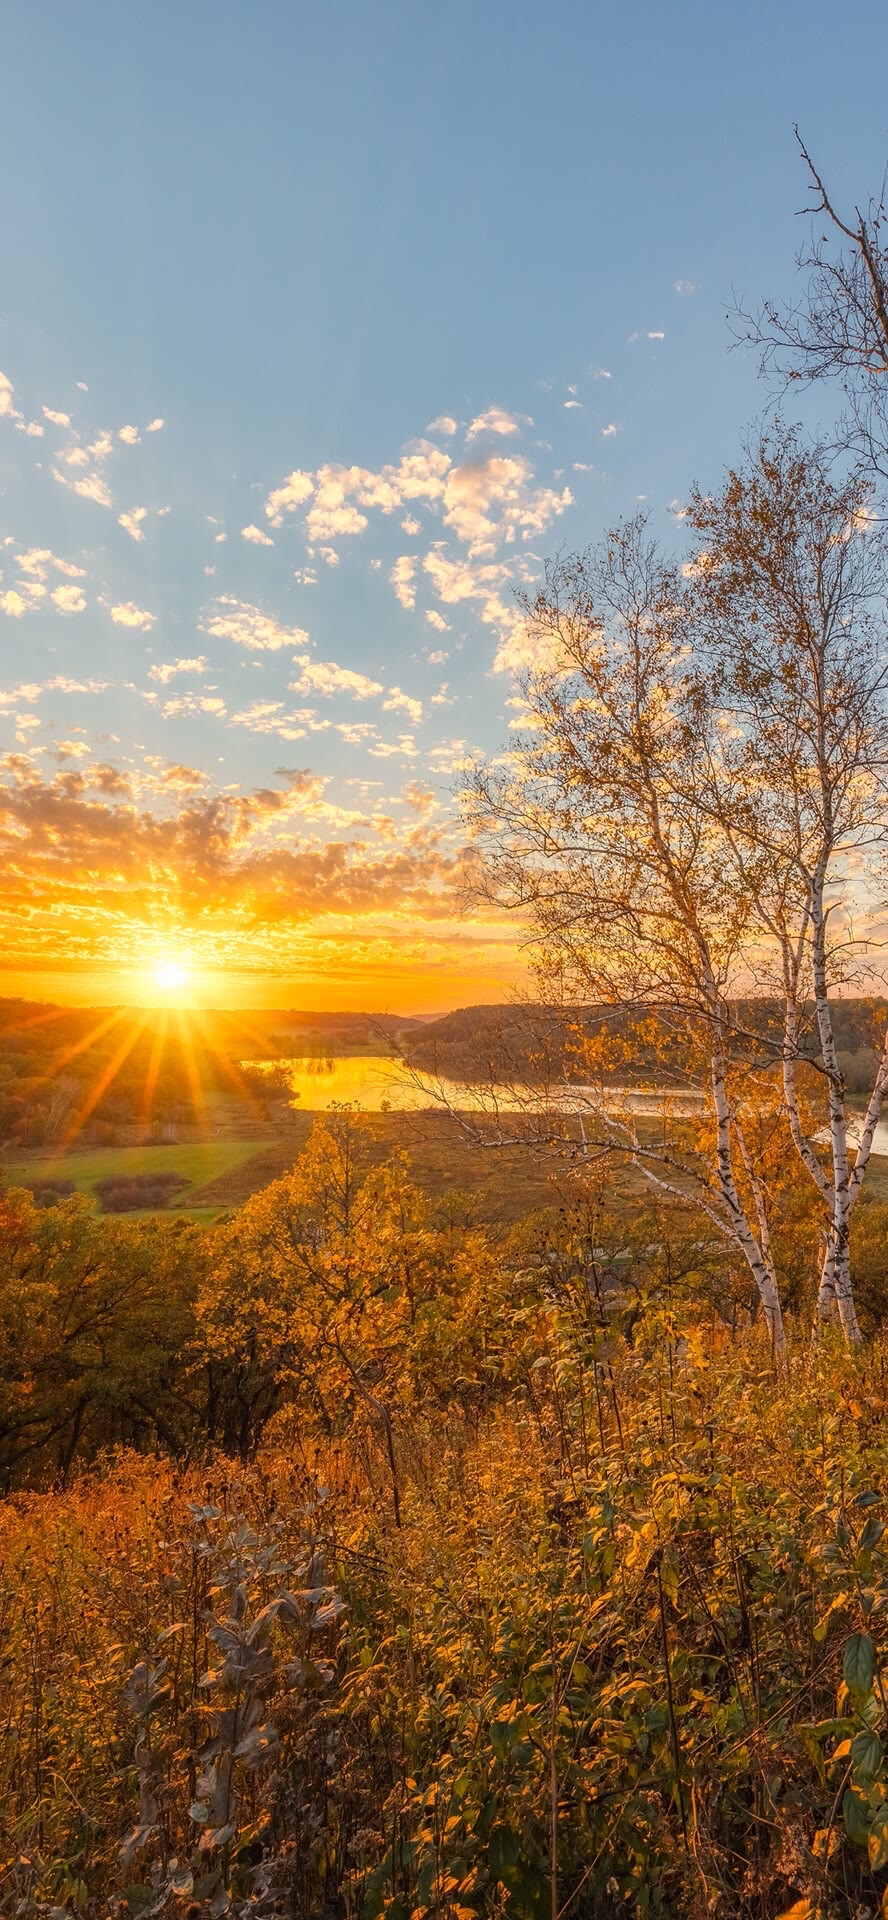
170 974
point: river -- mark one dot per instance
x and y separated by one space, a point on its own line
380 1083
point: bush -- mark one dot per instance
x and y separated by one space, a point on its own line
127 1193
47 1192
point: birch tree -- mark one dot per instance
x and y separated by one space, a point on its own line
837 330
595 831
788 587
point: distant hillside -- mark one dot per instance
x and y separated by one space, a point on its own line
484 1043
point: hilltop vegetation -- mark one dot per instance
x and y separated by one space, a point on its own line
440 1571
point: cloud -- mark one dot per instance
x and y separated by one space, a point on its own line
573 403
685 286
12 604
247 626
6 392
656 335
418 798
411 525
37 561
30 427
125 614
324 676
154 426
490 501
437 621
339 494
496 420
211 860
297 488
91 487
58 419
188 703
129 435
164 670
401 577
132 522
608 432
256 535
68 599
398 702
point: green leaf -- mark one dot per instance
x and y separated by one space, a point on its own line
854 1815
878 1839
859 1663
866 1754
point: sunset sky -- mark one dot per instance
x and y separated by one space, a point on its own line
319 328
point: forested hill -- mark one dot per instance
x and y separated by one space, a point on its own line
494 1042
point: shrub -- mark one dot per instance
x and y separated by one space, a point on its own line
127 1193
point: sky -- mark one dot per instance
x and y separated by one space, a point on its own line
320 328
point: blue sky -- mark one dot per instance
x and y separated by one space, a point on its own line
298 237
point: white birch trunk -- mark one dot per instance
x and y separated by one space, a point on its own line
835 1280
760 1265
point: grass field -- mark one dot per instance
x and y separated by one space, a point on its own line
199 1162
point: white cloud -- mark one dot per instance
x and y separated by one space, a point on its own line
12 604
437 621
165 670
68 599
256 535
340 493
132 522
129 435
267 716
438 658
82 385
573 403
324 676
36 562
58 419
601 373
329 555
249 627
297 488
220 539
73 456
401 577
184 703
411 525
399 702
6 393
608 432
656 335
489 501
91 487
125 614
684 286
154 426
496 420
444 424
30 427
